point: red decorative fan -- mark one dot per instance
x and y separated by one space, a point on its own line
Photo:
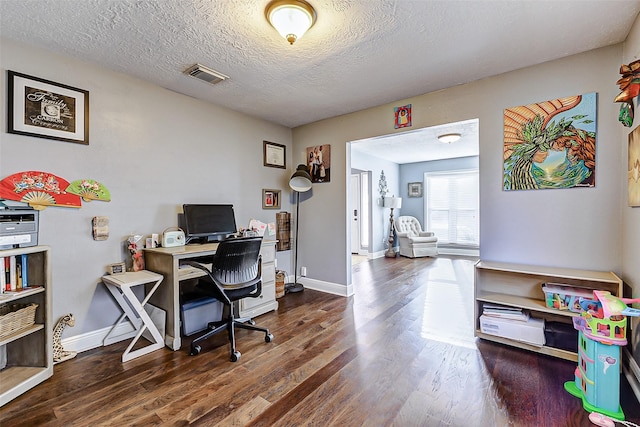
38 189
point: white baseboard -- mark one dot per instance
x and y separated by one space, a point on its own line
458 251
322 286
93 339
631 371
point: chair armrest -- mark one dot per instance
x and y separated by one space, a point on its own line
427 234
402 234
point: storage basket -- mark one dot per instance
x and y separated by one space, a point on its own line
17 317
280 277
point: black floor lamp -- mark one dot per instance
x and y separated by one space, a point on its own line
300 182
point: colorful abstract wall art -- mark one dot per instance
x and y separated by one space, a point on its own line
634 168
550 144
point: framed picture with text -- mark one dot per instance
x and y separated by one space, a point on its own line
274 155
46 109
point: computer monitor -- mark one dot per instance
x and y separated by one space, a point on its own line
208 223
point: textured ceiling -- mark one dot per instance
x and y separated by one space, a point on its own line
422 145
359 54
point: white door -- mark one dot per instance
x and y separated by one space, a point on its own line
354 207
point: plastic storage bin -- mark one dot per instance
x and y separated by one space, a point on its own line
563 297
561 335
197 313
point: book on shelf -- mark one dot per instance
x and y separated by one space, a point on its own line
3 278
25 270
6 270
13 278
504 312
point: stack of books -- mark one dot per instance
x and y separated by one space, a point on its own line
513 323
504 312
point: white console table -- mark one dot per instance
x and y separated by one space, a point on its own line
166 261
120 285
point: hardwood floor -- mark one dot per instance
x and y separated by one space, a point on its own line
400 352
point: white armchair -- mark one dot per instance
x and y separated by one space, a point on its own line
412 240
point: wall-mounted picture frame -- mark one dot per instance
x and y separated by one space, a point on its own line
402 116
270 198
274 155
319 163
415 189
46 109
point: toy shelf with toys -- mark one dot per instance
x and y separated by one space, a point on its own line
521 286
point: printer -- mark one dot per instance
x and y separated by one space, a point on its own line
18 227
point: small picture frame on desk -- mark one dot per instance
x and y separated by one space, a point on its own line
270 199
118 267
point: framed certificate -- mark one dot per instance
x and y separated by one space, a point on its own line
274 155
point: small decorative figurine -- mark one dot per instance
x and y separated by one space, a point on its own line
59 353
136 252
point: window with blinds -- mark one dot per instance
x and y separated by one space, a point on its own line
452 205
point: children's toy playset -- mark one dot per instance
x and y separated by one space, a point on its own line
602 328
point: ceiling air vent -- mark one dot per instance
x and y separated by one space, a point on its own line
205 74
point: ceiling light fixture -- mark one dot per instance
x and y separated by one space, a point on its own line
291 18
448 138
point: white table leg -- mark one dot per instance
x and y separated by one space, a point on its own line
120 286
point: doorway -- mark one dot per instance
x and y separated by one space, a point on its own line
404 157
359 210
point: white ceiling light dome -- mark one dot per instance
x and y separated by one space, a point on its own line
291 18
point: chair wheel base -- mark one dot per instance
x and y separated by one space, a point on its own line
268 338
195 350
235 356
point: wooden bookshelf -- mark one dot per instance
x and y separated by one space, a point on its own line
29 350
520 286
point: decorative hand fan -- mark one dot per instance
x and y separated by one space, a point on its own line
89 190
38 189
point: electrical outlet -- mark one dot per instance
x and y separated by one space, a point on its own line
303 271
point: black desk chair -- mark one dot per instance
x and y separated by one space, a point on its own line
235 274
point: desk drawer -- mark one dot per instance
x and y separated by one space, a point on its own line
268 273
268 253
268 295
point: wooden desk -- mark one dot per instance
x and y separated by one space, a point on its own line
166 261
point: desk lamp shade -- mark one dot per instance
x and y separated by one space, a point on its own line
299 182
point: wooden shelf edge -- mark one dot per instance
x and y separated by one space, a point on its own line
15 295
549 351
21 333
568 273
16 380
523 302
